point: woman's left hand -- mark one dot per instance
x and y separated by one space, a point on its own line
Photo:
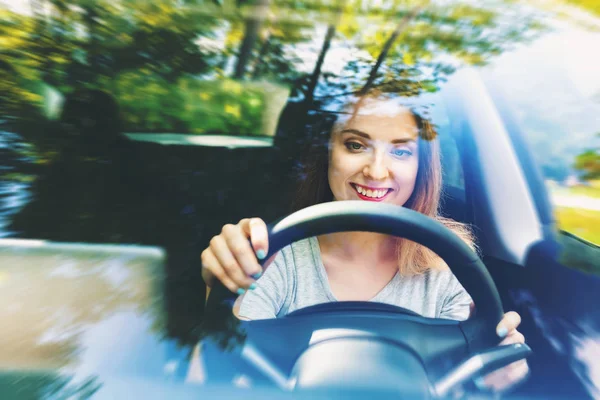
506 377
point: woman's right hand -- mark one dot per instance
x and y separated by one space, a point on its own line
232 256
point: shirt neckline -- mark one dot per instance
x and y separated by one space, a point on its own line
316 251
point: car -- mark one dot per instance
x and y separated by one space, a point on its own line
178 118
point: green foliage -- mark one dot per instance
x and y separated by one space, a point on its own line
150 104
589 163
421 44
580 222
160 58
18 72
591 5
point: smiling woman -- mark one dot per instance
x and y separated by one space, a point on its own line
373 149
379 151
377 144
376 166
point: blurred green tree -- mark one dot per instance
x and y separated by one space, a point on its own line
589 163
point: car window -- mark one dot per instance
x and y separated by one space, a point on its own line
454 192
557 114
155 123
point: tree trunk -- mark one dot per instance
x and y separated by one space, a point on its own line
314 77
92 48
262 53
253 25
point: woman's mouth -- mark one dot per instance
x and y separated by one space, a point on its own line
371 194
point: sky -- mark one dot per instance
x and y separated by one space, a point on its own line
559 73
553 88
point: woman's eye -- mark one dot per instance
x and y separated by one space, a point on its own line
402 153
354 146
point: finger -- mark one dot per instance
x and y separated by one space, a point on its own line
519 370
492 380
510 322
228 262
506 377
211 266
238 244
207 258
256 229
513 338
511 375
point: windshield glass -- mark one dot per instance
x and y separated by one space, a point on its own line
154 124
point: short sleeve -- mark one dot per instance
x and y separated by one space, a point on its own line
268 298
457 302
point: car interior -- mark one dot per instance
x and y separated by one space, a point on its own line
132 131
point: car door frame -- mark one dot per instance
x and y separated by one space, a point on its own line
510 210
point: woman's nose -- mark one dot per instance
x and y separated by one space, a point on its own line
376 169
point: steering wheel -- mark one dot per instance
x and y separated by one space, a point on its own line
477 333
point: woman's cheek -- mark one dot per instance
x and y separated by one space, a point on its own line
405 177
405 171
342 164
336 176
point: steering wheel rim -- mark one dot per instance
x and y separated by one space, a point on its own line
356 215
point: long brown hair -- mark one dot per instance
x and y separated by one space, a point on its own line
413 258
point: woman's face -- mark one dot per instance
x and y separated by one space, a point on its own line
374 156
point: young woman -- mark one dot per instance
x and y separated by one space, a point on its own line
381 152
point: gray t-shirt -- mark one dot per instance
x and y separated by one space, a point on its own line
297 279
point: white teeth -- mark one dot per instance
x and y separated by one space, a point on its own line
371 193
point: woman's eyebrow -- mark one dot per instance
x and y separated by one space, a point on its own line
366 136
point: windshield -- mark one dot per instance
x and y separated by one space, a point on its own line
153 124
